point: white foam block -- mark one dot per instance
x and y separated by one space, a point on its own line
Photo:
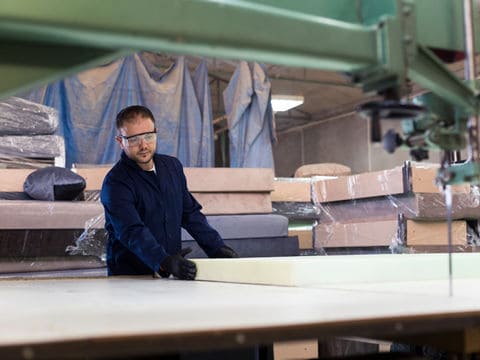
324 270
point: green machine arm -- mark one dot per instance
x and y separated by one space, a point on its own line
380 43
50 38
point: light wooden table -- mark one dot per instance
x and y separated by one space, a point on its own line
140 315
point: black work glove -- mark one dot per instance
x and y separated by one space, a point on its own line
225 252
180 267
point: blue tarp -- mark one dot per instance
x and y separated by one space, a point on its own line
250 117
88 103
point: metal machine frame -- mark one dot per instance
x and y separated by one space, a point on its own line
380 43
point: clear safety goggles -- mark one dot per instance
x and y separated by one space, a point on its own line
135 140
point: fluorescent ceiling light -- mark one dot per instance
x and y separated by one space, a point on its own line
285 102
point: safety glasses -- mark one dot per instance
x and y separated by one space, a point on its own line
136 140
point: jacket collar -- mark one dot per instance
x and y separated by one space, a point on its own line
159 163
159 168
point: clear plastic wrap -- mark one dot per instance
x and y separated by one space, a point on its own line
92 240
292 198
398 210
29 151
51 236
23 117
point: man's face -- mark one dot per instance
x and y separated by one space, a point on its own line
139 148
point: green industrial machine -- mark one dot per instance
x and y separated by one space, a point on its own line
380 44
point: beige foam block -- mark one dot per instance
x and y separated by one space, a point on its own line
291 189
314 271
305 238
11 180
229 179
49 264
378 183
32 214
423 180
386 233
435 233
323 169
357 234
289 350
93 176
203 179
234 203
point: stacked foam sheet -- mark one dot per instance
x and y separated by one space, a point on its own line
27 135
291 197
219 190
236 202
393 210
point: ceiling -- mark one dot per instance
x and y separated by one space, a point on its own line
325 93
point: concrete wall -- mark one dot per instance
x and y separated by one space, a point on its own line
288 153
340 140
343 139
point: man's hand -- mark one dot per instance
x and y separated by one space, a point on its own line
180 267
225 252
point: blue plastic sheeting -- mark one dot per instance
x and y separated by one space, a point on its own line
202 89
250 117
88 103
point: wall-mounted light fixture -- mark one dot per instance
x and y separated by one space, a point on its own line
285 102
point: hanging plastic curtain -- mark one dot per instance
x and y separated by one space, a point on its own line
88 103
250 117
202 89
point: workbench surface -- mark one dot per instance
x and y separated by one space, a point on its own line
144 315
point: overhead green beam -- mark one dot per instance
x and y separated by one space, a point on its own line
342 10
232 29
439 22
25 65
427 71
84 32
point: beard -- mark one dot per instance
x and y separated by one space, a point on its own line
143 157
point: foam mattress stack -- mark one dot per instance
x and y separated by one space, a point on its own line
393 210
396 210
292 198
37 234
27 135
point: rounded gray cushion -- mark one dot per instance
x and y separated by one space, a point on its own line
54 183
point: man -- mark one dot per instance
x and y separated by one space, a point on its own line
146 203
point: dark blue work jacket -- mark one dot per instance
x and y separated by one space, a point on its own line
144 213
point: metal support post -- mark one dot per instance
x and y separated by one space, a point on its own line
470 74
